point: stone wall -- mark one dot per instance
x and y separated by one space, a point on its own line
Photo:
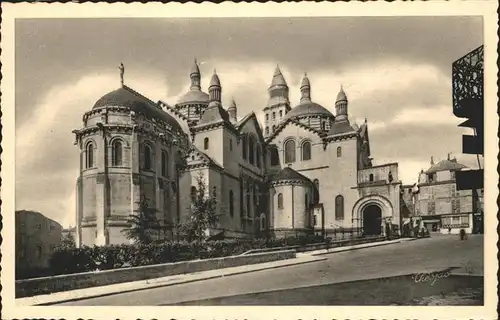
46 285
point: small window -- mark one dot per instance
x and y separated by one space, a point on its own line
306 151
89 155
262 222
267 116
39 226
339 152
205 144
116 153
274 129
315 220
251 147
281 113
230 144
274 115
267 130
147 158
323 126
371 177
280 201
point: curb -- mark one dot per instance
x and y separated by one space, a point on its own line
352 248
154 286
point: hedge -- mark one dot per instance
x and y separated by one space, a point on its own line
84 259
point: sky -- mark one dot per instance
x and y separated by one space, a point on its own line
396 72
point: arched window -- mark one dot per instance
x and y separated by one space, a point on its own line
258 156
290 151
89 155
267 130
205 144
274 115
274 129
193 193
244 145
147 158
306 151
116 153
267 116
280 201
251 147
371 177
281 113
231 203
339 152
164 163
339 208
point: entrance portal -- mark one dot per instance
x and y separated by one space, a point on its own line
372 220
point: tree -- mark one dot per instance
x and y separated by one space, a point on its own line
203 213
67 241
143 224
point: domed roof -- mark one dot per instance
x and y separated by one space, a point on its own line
194 96
308 109
127 97
446 165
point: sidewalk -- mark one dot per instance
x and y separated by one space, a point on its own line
80 294
354 247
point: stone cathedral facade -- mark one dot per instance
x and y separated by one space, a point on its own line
308 170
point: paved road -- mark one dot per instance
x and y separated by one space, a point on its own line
423 255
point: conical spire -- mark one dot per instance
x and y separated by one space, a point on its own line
341 105
232 111
341 96
214 90
233 104
305 89
278 79
195 76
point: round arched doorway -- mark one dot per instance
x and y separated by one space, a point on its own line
372 220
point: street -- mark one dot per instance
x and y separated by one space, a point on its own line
409 257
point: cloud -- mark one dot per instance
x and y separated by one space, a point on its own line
45 147
46 159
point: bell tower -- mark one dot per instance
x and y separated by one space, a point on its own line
278 104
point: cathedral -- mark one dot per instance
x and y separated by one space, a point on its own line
305 171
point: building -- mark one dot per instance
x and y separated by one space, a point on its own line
306 171
68 233
36 239
440 205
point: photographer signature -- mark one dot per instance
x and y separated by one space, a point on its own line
432 277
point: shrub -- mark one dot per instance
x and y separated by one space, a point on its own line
74 260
